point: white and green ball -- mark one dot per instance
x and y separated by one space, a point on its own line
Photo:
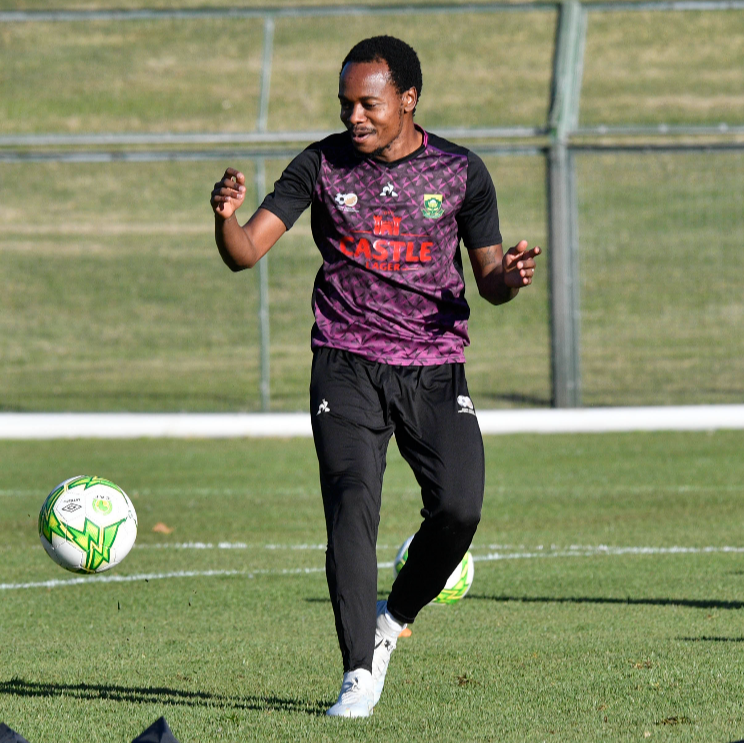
457 585
87 524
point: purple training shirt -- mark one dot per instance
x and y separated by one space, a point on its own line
391 286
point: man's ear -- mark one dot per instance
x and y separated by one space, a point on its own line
410 99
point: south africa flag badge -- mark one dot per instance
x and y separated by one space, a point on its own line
433 207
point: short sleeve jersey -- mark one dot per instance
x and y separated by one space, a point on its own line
391 285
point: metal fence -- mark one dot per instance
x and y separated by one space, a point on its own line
571 152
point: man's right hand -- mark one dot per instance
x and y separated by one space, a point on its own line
228 194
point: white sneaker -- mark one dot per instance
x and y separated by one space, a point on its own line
386 638
356 696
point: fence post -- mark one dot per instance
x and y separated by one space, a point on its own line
263 299
260 182
562 207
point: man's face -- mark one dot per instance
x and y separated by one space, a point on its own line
371 108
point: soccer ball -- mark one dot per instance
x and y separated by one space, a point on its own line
457 585
87 524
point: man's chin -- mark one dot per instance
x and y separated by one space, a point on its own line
363 148
369 149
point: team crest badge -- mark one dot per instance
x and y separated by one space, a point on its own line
433 207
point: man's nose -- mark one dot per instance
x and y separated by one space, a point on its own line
357 114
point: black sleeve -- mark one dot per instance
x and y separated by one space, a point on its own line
293 191
478 219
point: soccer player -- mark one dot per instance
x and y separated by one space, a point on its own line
389 205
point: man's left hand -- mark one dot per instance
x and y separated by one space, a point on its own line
519 264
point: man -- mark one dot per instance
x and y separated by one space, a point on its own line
389 206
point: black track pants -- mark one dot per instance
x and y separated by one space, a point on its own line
356 406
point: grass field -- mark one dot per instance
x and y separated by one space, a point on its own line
662 312
607 602
113 296
560 638
111 293
173 74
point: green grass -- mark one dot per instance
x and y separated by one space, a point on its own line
139 76
170 4
175 75
96 289
112 296
552 643
662 277
115 298
675 68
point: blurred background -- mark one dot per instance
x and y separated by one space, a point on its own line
614 134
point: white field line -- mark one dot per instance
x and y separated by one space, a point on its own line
602 550
503 554
34 426
59 583
229 546
495 552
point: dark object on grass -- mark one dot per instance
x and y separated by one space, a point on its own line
158 732
10 736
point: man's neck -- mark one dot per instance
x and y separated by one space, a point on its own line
407 142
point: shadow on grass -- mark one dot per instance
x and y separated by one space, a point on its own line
381 594
629 601
708 638
19 687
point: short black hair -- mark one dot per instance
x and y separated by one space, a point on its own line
401 59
